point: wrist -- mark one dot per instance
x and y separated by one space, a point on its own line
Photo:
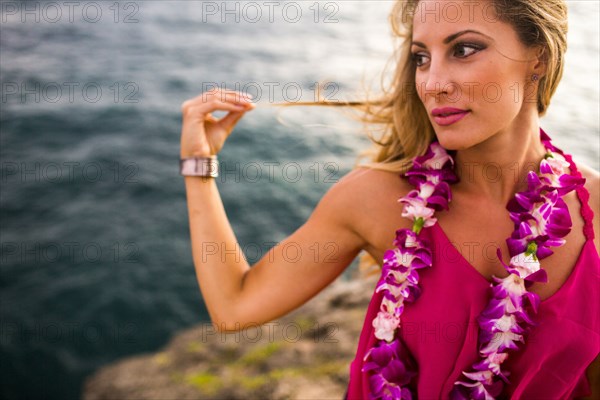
193 149
199 166
189 154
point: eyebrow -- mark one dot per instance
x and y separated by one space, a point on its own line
453 36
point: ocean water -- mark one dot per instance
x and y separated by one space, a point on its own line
96 261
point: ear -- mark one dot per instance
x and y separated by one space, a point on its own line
539 60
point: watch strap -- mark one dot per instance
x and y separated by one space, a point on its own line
199 166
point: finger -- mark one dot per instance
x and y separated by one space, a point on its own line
216 105
229 121
210 118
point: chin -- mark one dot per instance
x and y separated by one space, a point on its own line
454 140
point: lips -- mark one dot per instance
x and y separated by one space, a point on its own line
444 112
448 115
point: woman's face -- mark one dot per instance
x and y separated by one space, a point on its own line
466 59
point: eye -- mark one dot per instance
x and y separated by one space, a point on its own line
417 59
469 47
460 50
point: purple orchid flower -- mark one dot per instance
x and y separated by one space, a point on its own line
392 368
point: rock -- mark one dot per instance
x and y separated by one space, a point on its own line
303 355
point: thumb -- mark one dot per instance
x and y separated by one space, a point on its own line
229 121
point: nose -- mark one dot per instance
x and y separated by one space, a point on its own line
438 80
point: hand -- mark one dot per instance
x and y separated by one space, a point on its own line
202 134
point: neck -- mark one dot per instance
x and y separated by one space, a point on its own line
497 168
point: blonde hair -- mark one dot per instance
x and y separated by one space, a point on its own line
406 131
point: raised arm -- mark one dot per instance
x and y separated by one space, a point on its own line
299 267
291 272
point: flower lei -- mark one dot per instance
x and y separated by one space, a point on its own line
541 220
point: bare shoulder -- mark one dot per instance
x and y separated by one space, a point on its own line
363 188
372 182
591 175
365 202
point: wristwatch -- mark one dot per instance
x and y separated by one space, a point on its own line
199 166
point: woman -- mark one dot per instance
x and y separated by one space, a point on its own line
471 84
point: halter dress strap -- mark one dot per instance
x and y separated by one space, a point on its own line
584 197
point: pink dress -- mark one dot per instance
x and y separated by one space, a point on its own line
440 328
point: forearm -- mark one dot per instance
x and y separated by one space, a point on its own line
219 262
